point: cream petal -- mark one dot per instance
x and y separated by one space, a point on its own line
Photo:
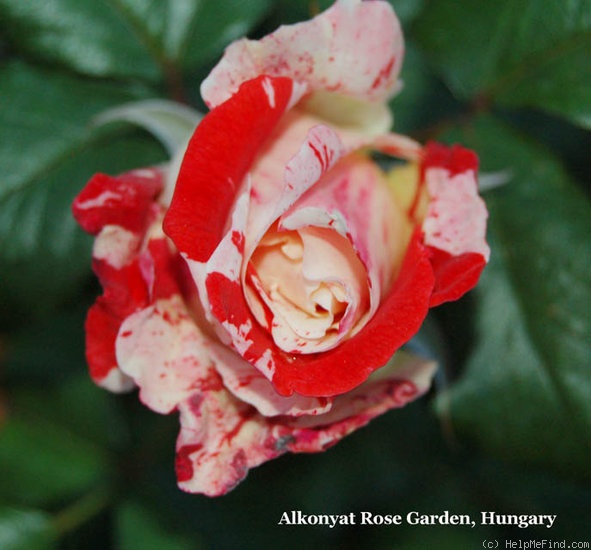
456 215
250 386
221 438
354 199
354 49
316 299
164 352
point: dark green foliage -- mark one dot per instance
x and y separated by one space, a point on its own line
507 427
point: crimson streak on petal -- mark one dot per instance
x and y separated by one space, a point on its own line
348 365
219 155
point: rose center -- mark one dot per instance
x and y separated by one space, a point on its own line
308 287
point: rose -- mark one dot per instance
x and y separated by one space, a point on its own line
295 267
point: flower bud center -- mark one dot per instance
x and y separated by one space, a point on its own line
308 287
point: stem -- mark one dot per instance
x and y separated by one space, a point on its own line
174 82
84 509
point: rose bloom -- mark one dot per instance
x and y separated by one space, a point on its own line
261 283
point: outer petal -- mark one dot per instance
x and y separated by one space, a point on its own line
119 211
217 160
124 293
162 349
455 223
123 201
222 438
354 48
250 386
402 380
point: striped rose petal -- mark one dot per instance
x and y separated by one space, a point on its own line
261 283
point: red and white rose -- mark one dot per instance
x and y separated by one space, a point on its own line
265 301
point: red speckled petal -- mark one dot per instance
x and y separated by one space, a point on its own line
455 159
250 386
354 48
402 380
221 438
124 292
217 160
122 201
455 223
118 210
338 370
165 353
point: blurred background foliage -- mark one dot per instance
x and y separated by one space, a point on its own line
507 427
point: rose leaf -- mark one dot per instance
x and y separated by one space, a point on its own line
76 404
145 39
422 98
48 151
138 527
25 529
525 392
42 461
538 57
171 123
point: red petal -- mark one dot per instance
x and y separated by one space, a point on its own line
122 201
126 201
219 155
397 320
454 275
456 159
171 274
222 437
124 292
348 365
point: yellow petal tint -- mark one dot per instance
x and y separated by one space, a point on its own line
404 182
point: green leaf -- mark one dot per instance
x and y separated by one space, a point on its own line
43 353
300 10
139 529
42 461
44 254
407 10
77 405
48 153
215 26
25 530
423 98
146 39
171 123
521 53
94 38
525 393
41 130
